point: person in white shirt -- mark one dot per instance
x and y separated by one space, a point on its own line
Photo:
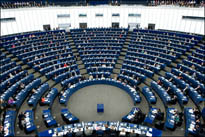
102 76
10 75
103 65
88 132
90 77
122 133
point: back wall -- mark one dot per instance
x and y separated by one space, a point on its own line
165 17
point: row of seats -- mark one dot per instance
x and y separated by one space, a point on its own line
13 79
68 117
171 118
29 121
51 95
131 115
9 123
149 95
190 122
165 97
191 81
182 99
33 100
101 128
48 118
195 74
73 88
152 115
15 87
21 96
193 94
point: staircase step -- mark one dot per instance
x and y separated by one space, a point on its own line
124 50
178 61
183 57
31 71
43 79
127 42
167 69
81 66
59 87
86 75
9 56
113 75
79 62
123 53
116 71
17 61
174 64
36 74
75 53
83 71
119 61
25 67
51 83
121 57
78 59
118 66
73 46
156 77
74 50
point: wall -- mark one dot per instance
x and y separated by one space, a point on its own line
170 18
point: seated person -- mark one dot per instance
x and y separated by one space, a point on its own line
173 99
180 76
112 131
42 101
22 86
170 80
159 115
10 102
132 133
186 90
122 133
102 77
177 120
88 132
1 131
90 77
169 91
104 65
159 82
79 132
199 131
10 75
34 91
21 116
198 89
197 113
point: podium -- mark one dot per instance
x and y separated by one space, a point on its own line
100 108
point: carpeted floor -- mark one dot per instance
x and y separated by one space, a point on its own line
83 103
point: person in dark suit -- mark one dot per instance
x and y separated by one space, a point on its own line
1 131
21 116
173 99
112 131
160 115
197 113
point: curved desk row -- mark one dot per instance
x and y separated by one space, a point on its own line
182 99
131 91
98 127
33 100
12 90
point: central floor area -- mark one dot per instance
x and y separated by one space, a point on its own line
83 103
